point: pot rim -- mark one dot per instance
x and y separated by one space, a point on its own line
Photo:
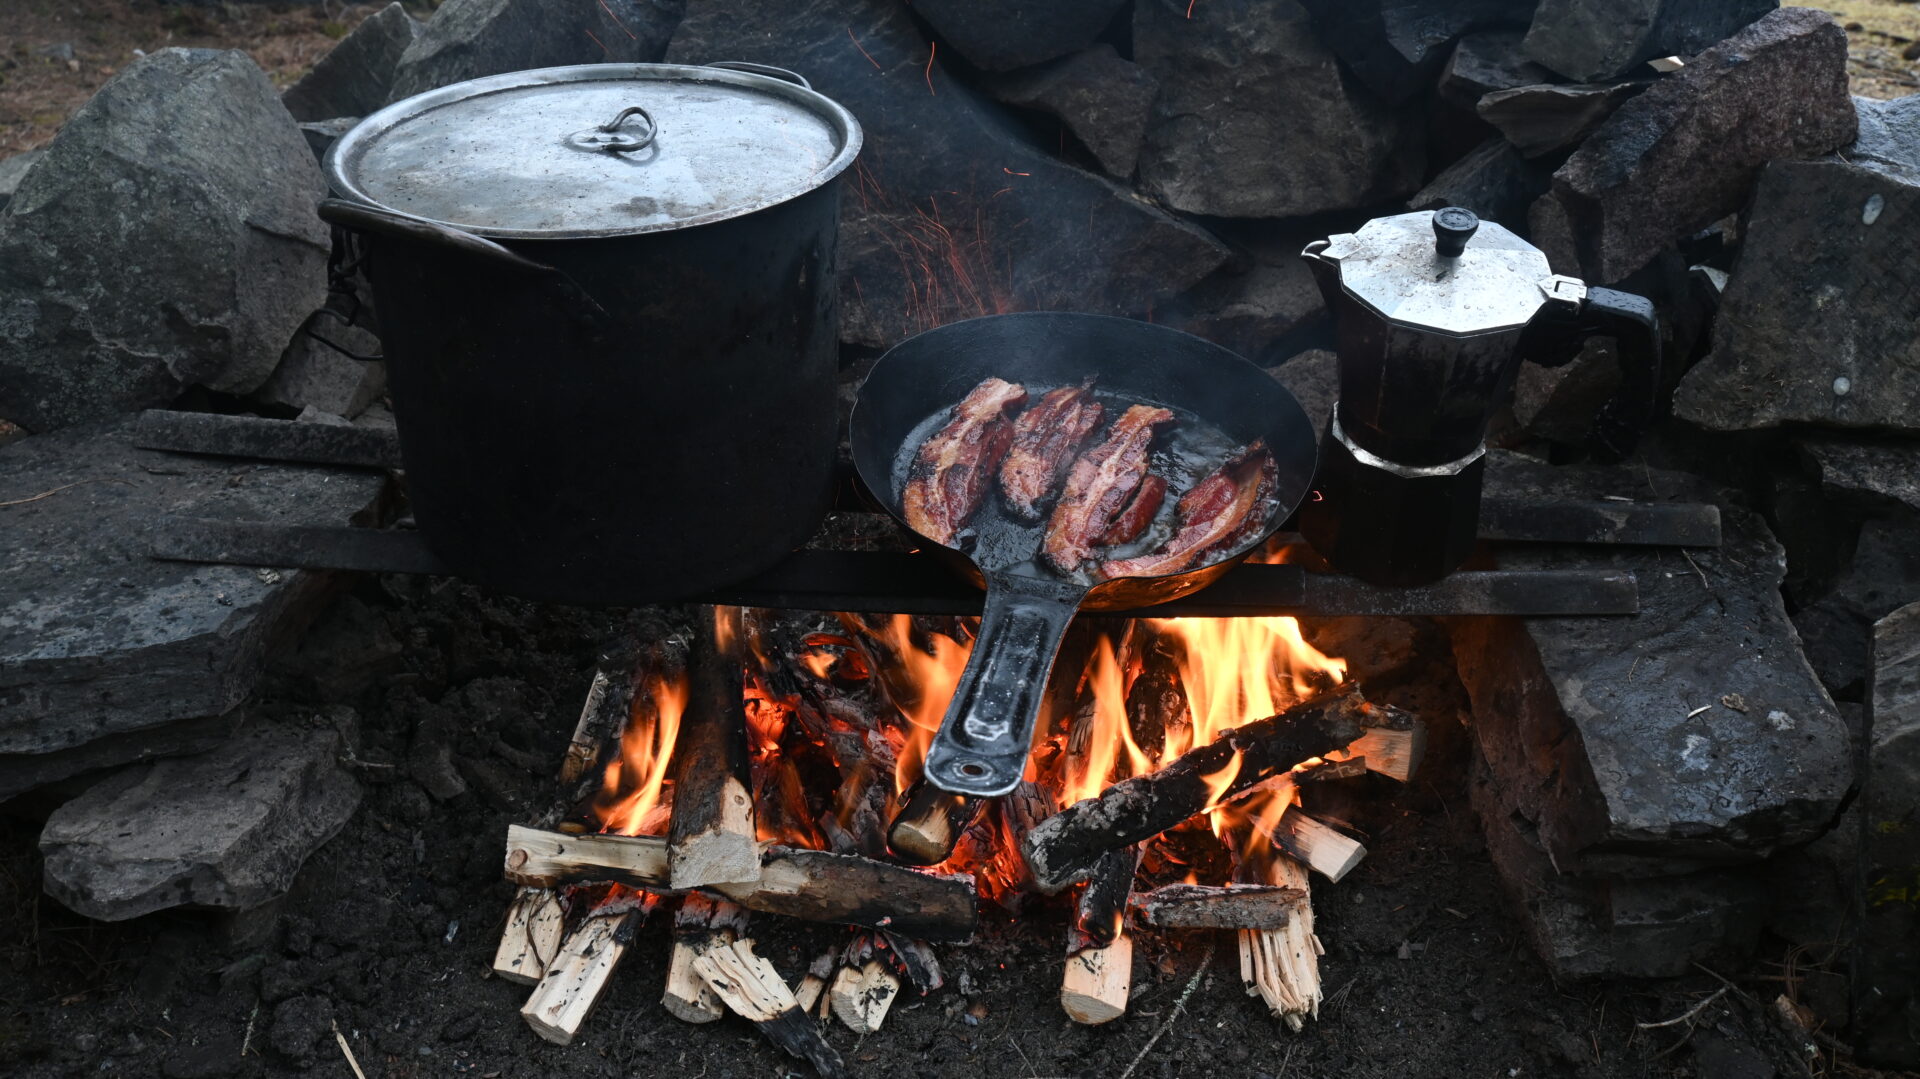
347 148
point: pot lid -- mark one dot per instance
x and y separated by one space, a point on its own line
1442 270
596 150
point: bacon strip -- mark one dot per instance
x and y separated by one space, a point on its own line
1045 439
1098 488
949 476
1220 512
1139 513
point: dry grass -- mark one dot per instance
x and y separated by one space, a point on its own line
1880 32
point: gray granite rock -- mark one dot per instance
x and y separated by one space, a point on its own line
1542 118
313 375
1264 306
1103 99
1689 150
322 134
1487 61
1883 574
1690 734
1867 470
1000 35
1396 47
23 772
1559 404
1591 40
953 212
1820 321
167 239
97 639
12 171
1494 180
1313 377
1256 118
1888 946
355 77
470 39
226 829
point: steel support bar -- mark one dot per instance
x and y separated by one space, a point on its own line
267 440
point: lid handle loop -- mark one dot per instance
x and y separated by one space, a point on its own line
610 136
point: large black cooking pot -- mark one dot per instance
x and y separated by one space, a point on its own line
607 301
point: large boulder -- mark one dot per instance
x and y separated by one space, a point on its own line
1590 40
471 39
1484 62
1256 118
1883 574
1867 470
1397 46
225 829
1000 35
1494 180
356 76
1540 119
166 239
1100 97
951 212
12 171
1888 945
315 374
1689 150
1820 322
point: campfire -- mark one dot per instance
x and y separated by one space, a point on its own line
768 762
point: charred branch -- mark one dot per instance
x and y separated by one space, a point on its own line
711 837
749 986
929 824
1234 906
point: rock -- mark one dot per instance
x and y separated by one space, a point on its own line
974 221
1494 180
166 239
1688 150
322 134
1820 321
1883 574
226 829
299 1025
1887 1020
1886 470
98 639
1559 404
1103 99
1540 119
1690 734
314 375
1484 62
1255 117
470 39
1591 40
12 171
349 651
1396 47
1313 377
1000 35
1265 307
22 772
356 76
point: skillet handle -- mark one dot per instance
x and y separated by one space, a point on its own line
982 745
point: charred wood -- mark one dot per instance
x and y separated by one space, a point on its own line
711 837
573 981
750 987
536 924
701 923
915 959
864 990
929 824
1314 844
1234 906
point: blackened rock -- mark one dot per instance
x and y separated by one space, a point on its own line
1488 61
356 76
1000 35
12 171
1820 321
1887 1021
1313 377
1494 180
1884 574
951 213
166 239
470 39
1103 99
1694 732
322 134
1867 470
1689 150
313 374
1255 117
21 772
226 829
1265 307
1592 40
96 638
1396 46
1544 118
299 1024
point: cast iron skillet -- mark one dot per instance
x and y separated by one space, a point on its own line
981 748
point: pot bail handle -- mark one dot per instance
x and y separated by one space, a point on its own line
610 136
769 70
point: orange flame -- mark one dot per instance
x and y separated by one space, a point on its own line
935 676
630 802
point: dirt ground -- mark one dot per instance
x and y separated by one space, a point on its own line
391 928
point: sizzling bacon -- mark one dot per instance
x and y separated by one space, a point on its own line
1045 439
1220 512
949 475
1139 513
1098 488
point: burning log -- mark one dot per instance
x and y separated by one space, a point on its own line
1393 749
700 924
865 989
1235 906
1157 706
812 885
1282 966
535 925
1315 844
750 986
916 960
711 837
1095 987
574 979
1064 848
929 824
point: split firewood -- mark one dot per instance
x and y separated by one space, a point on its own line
1320 847
812 885
751 988
811 987
1282 966
536 923
930 823
712 832
1393 745
1065 848
573 981
916 960
1097 982
865 988
596 723
701 923
1233 906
